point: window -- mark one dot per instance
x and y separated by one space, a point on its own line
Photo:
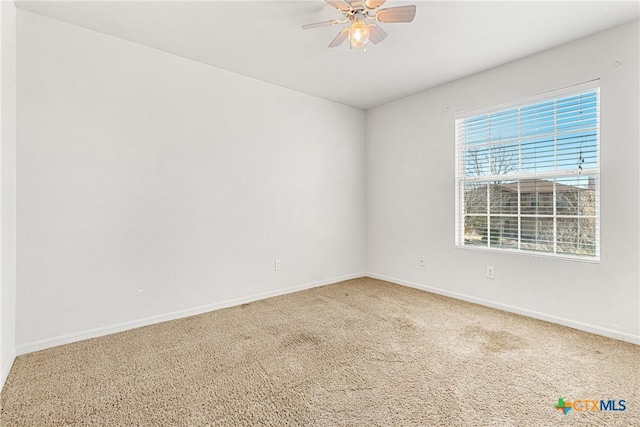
528 175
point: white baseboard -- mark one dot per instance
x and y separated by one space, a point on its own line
6 369
598 330
107 330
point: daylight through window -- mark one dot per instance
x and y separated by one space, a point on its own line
528 175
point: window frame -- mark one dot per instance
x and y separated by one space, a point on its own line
461 180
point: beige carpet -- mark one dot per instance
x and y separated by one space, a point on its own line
357 353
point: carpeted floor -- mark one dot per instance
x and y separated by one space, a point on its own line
357 353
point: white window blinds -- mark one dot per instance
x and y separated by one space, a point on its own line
528 175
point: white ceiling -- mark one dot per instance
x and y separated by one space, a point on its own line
263 39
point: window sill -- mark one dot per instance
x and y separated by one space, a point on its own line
561 257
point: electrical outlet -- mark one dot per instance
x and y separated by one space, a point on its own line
278 265
422 262
490 272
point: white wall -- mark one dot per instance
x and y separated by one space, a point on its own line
138 169
142 170
410 192
7 189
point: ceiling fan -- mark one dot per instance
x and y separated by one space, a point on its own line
363 17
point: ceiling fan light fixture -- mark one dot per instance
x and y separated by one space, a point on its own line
359 34
363 17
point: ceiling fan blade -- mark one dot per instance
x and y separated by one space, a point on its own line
376 33
322 24
341 5
340 38
396 14
373 4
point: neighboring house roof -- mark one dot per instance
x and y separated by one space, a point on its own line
539 186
